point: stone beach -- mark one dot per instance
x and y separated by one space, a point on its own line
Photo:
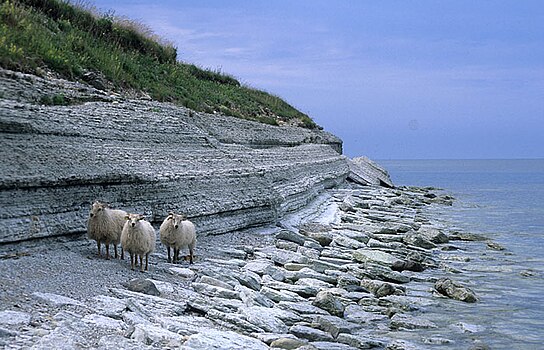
298 246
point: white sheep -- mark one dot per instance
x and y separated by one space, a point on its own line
178 232
105 225
138 238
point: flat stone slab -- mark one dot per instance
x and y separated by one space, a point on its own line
8 317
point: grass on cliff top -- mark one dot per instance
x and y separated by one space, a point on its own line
73 40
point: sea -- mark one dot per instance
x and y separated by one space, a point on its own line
504 201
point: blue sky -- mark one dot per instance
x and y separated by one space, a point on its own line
394 79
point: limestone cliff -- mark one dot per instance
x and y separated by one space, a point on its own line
147 157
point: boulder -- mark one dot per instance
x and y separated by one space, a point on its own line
454 290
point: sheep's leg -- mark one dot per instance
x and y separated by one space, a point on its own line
190 255
146 260
115 248
122 253
170 260
132 261
107 250
142 263
176 255
98 245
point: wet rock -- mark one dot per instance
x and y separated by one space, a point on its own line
418 240
407 265
310 333
328 302
433 234
220 339
359 341
495 246
357 314
142 285
336 325
467 236
455 291
410 322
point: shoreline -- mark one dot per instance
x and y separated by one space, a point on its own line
322 279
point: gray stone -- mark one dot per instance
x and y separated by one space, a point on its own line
225 340
253 298
348 242
357 314
8 317
287 245
302 308
233 321
310 333
142 285
291 236
418 240
249 279
118 342
287 343
264 319
364 255
258 266
359 341
309 273
278 296
327 301
366 172
214 291
215 282
57 300
103 322
182 272
410 322
315 283
433 234
455 291
336 325
305 291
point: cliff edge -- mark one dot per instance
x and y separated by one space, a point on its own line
149 157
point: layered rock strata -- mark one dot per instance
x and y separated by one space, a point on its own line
147 157
333 282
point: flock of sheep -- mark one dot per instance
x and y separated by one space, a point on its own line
137 236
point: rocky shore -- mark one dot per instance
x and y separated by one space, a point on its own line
360 267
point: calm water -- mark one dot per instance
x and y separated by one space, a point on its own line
504 200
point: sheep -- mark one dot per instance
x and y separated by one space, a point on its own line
138 238
178 232
105 225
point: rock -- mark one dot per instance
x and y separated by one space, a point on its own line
233 321
364 255
57 300
302 308
278 296
291 236
359 341
262 318
327 345
309 273
8 317
310 333
215 282
384 289
108 306
214 291
409 322
142 285
182 272
118 342
219 339
348 242
366 172
336 325
249 279
357 314
407 265
417 240
495 246
287 343
253 298
287 245
455 291
104 323
314 283
469 328
268 338
467 236
329 303
433 234
305 291
258 266
294 267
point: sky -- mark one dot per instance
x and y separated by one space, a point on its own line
450 79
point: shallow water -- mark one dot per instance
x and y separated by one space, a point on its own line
503 200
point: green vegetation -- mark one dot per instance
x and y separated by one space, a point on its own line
72 40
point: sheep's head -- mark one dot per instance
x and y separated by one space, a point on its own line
96 208
134 219
176 219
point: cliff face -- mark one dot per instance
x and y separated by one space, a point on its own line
147 157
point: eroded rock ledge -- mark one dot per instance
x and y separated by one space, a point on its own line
149 157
